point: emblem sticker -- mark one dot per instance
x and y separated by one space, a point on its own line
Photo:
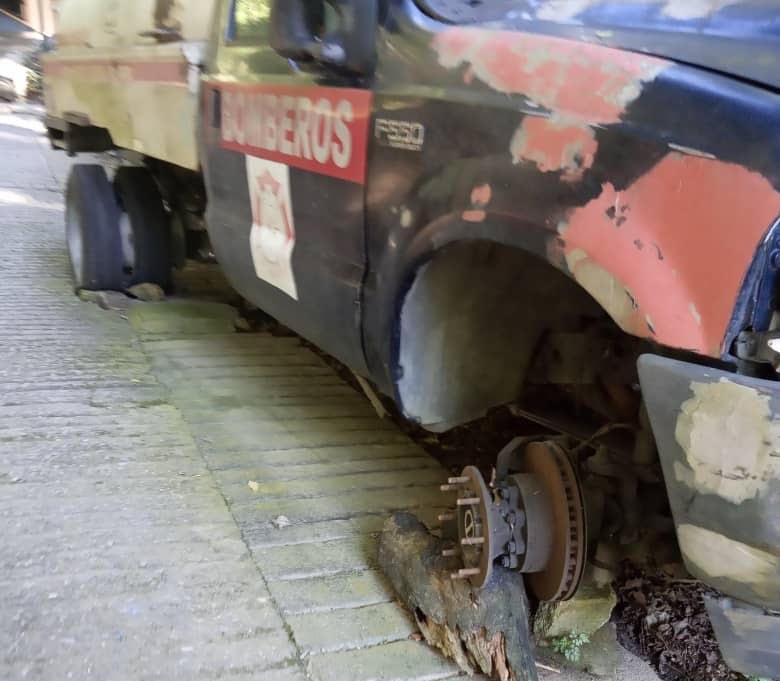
272 238
408 135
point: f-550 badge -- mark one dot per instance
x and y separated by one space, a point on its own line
400 134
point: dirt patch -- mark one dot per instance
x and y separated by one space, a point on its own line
663 620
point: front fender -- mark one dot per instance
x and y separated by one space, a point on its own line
651 184
661 255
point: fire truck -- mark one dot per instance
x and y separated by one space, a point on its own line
567 206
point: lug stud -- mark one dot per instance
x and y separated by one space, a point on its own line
468 501
458 481
448 553
472 541
444 517
465 573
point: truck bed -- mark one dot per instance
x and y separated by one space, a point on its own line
131 70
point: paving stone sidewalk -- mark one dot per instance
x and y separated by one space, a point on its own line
132 545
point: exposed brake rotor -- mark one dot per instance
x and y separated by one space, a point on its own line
531 519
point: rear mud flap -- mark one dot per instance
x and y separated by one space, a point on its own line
748 637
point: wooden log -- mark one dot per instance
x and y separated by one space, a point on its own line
483 630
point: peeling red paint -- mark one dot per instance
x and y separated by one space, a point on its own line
707 217
555 145
480 198
589 82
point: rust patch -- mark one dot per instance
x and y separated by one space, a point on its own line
586 82
704 219
480 198
555 145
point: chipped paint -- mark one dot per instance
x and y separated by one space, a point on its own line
712 556
555 145
695 313
586 82
692 231
690 151
721 419
684 10
687 10
563 10
480 198
611 294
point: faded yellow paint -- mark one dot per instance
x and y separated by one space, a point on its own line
711 555
118 24
97 39
603 286
730 441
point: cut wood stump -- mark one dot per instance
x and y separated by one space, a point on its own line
483 630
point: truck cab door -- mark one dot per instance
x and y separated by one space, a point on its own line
284 154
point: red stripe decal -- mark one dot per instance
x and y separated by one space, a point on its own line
104 70
321 129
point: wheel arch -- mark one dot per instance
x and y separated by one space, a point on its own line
459 348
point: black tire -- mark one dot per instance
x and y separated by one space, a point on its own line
149 225
92 230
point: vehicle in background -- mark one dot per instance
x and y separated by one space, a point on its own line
570 207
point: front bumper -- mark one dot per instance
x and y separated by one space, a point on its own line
718 436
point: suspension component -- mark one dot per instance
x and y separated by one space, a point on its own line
531 519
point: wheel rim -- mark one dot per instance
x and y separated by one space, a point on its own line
75 244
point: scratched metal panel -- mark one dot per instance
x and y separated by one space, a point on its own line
737 37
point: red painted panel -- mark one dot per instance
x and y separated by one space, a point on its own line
590 83
323 130
172 72
667 256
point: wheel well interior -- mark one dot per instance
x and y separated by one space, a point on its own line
470 325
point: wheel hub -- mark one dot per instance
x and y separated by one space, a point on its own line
531 519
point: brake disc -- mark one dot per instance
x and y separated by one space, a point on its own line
531 519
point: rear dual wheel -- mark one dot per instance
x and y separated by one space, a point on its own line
119 235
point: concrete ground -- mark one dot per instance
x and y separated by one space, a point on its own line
179 501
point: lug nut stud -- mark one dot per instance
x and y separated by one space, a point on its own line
464 573
472 541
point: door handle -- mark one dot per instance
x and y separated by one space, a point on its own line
162 35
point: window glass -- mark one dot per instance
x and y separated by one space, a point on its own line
250 20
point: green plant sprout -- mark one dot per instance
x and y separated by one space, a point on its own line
570 645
